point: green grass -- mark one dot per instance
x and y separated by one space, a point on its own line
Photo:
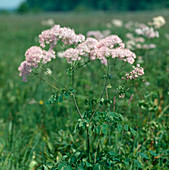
31 131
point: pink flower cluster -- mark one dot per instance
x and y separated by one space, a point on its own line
137 43
34 56
137 71
149 32
98 34
56 33
133 25
111 46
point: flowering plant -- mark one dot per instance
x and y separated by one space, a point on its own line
100 118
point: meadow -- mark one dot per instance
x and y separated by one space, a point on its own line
35 134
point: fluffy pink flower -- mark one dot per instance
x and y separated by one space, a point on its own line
72 55
34 56
149 32
25 70
137 71
98 34
56 33
111 46
47 56
111 42
87 46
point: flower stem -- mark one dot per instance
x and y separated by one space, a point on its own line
74 99
88 144
104 89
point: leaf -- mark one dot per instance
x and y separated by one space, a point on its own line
127 161
143 155
61 165
66 95
73 90
79 168
32 164
77 154
68 167
119 128
72 159
97 167
104 129
88 164
112 153
133 131
98 128
126 127
153 153
45 167
60 100
138 163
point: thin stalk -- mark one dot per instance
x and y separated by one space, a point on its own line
97 145
54 78
36 74
72 77
107 96
104 89
74 99
81 65
114 103
88 144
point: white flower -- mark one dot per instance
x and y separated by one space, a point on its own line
158 22
117 22
48 71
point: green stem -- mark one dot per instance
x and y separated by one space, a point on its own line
104 89
36 74
53 78
81 65
88 145
74 99
77 106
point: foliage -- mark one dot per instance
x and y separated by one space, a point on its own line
56 5
23 8
34 135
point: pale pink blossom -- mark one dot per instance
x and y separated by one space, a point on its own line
98 34
72 55
34 56
134 25
111 46
137 71
56 33
87 46
149 32
111 41
148 46
25 69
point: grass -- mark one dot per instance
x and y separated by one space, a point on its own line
28 127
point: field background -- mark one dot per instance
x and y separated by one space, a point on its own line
28 126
